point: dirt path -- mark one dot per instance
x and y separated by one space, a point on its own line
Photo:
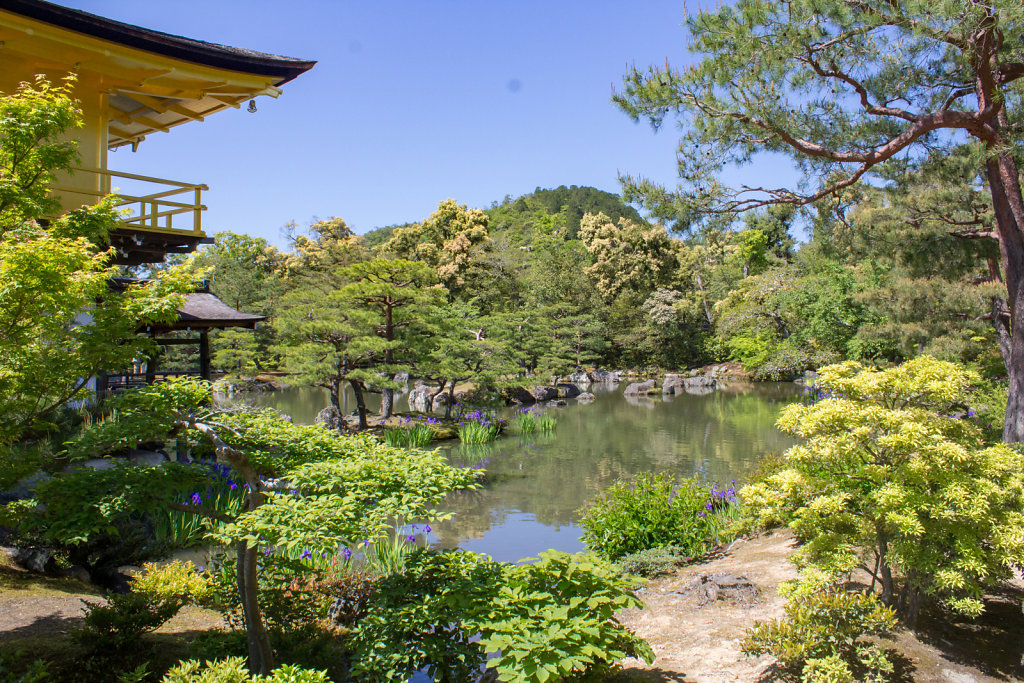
701 644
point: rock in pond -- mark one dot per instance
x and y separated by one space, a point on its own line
568 390
517 395
605 376
418 397
579 378
586 397
540 393
638 388
672 384
557 403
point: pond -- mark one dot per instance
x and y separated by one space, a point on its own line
537 484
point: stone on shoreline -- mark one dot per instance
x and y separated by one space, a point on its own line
638 388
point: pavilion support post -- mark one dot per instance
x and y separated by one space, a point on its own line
151 361
204 355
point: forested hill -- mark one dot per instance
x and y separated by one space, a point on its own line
568 203
518 216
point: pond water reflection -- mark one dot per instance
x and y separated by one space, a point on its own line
537 484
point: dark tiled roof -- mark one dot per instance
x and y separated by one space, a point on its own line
179 47
203 309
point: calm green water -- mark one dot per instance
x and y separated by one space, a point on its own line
538 484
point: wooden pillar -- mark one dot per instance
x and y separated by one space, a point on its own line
204 355
151 366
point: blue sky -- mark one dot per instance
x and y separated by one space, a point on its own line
412 103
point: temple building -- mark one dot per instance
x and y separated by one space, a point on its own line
132 83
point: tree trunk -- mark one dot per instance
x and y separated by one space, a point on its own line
261 654
888 596
357 390
451 401
1009 213
387 402
336 395
909 604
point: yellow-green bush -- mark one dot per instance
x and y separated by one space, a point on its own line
891 468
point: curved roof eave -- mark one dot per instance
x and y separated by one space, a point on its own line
179 47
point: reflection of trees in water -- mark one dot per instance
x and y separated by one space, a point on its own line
720 436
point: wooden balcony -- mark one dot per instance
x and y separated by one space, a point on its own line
159 216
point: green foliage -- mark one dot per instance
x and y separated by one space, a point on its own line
14 670
629 255
347 500
478 426
654 561
33 148
524 421
48 277
650 511
560 621
112 634
519 217
408 436
887 471
174 581
234 670
822 638
450 240
530 420
550 620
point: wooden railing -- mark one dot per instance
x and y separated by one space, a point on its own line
145 210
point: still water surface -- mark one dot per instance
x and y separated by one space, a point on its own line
537 484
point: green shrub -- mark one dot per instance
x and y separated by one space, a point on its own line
14 670
822 638
891 469
650 512
112 634
554 619
233 670
558 621
654 561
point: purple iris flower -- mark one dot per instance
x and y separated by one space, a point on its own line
346 553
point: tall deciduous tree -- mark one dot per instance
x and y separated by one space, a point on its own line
846 88
449 240
627 255
60 321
